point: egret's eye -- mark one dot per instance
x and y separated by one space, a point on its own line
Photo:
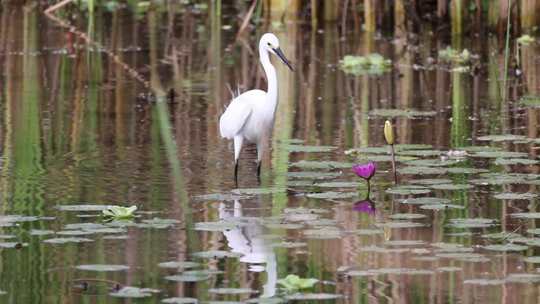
269 44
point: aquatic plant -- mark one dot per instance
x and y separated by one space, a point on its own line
525 40
119 212
374 64
365 171
389 137
293 283
365 206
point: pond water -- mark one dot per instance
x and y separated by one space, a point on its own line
81 128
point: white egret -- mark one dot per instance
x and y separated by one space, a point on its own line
250 115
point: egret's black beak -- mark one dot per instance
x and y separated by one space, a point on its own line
281 56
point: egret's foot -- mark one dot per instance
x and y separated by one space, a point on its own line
259 171
236 174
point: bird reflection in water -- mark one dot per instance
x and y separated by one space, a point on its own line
248 240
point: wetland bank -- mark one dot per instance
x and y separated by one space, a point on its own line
117 103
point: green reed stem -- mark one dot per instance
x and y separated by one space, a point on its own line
506 50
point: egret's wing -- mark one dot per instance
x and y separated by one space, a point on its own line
238 112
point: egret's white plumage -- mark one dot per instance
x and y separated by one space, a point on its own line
250 116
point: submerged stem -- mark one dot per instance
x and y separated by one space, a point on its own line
368 189
394 163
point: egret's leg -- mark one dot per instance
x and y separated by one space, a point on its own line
260 150
237 148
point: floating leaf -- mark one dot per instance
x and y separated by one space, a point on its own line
527 278
515 161
422 170
158 223
313 175
452 187
102 267
516 196
300 148
407 216
441 207
530 101
499 154
133 292
408 190
120 212
179 264
13 245
503 137
526 215
231 291
472 222
312 296
431 181
323 233
83 207
463 170
217 226
368 231
293 282
389 271
40 232
220 197
216 254
484 282
425 201
259 191
67 240
532 259
409 113
180 301
312 164
332 195
505 247
338 184
404 243
400 224
437 162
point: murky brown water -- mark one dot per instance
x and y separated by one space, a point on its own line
79 126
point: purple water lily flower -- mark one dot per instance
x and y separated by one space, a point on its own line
365 206
365 171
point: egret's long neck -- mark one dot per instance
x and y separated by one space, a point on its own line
271 95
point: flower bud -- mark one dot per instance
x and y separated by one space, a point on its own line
389 132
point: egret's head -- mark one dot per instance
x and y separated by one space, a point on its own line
270 43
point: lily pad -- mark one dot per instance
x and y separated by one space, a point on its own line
13 245
407 216
368 231
404 243
484 282
408 190
465 170
102 267
133 292
422 170
313 296
438 207
216 254
527 278
323 233
532 259
452 187
421 153
435 162
526 215
515 161
217 226
190 277
499 154
338 184
220 197
328 165
83 207
430 181
308 149
158 223
389 271
259 191
67 240
472 223
425 201
332 195
313 175
400 224
505 247
41 232
409 113
231 291
179 264
516 196
178 300
503 137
